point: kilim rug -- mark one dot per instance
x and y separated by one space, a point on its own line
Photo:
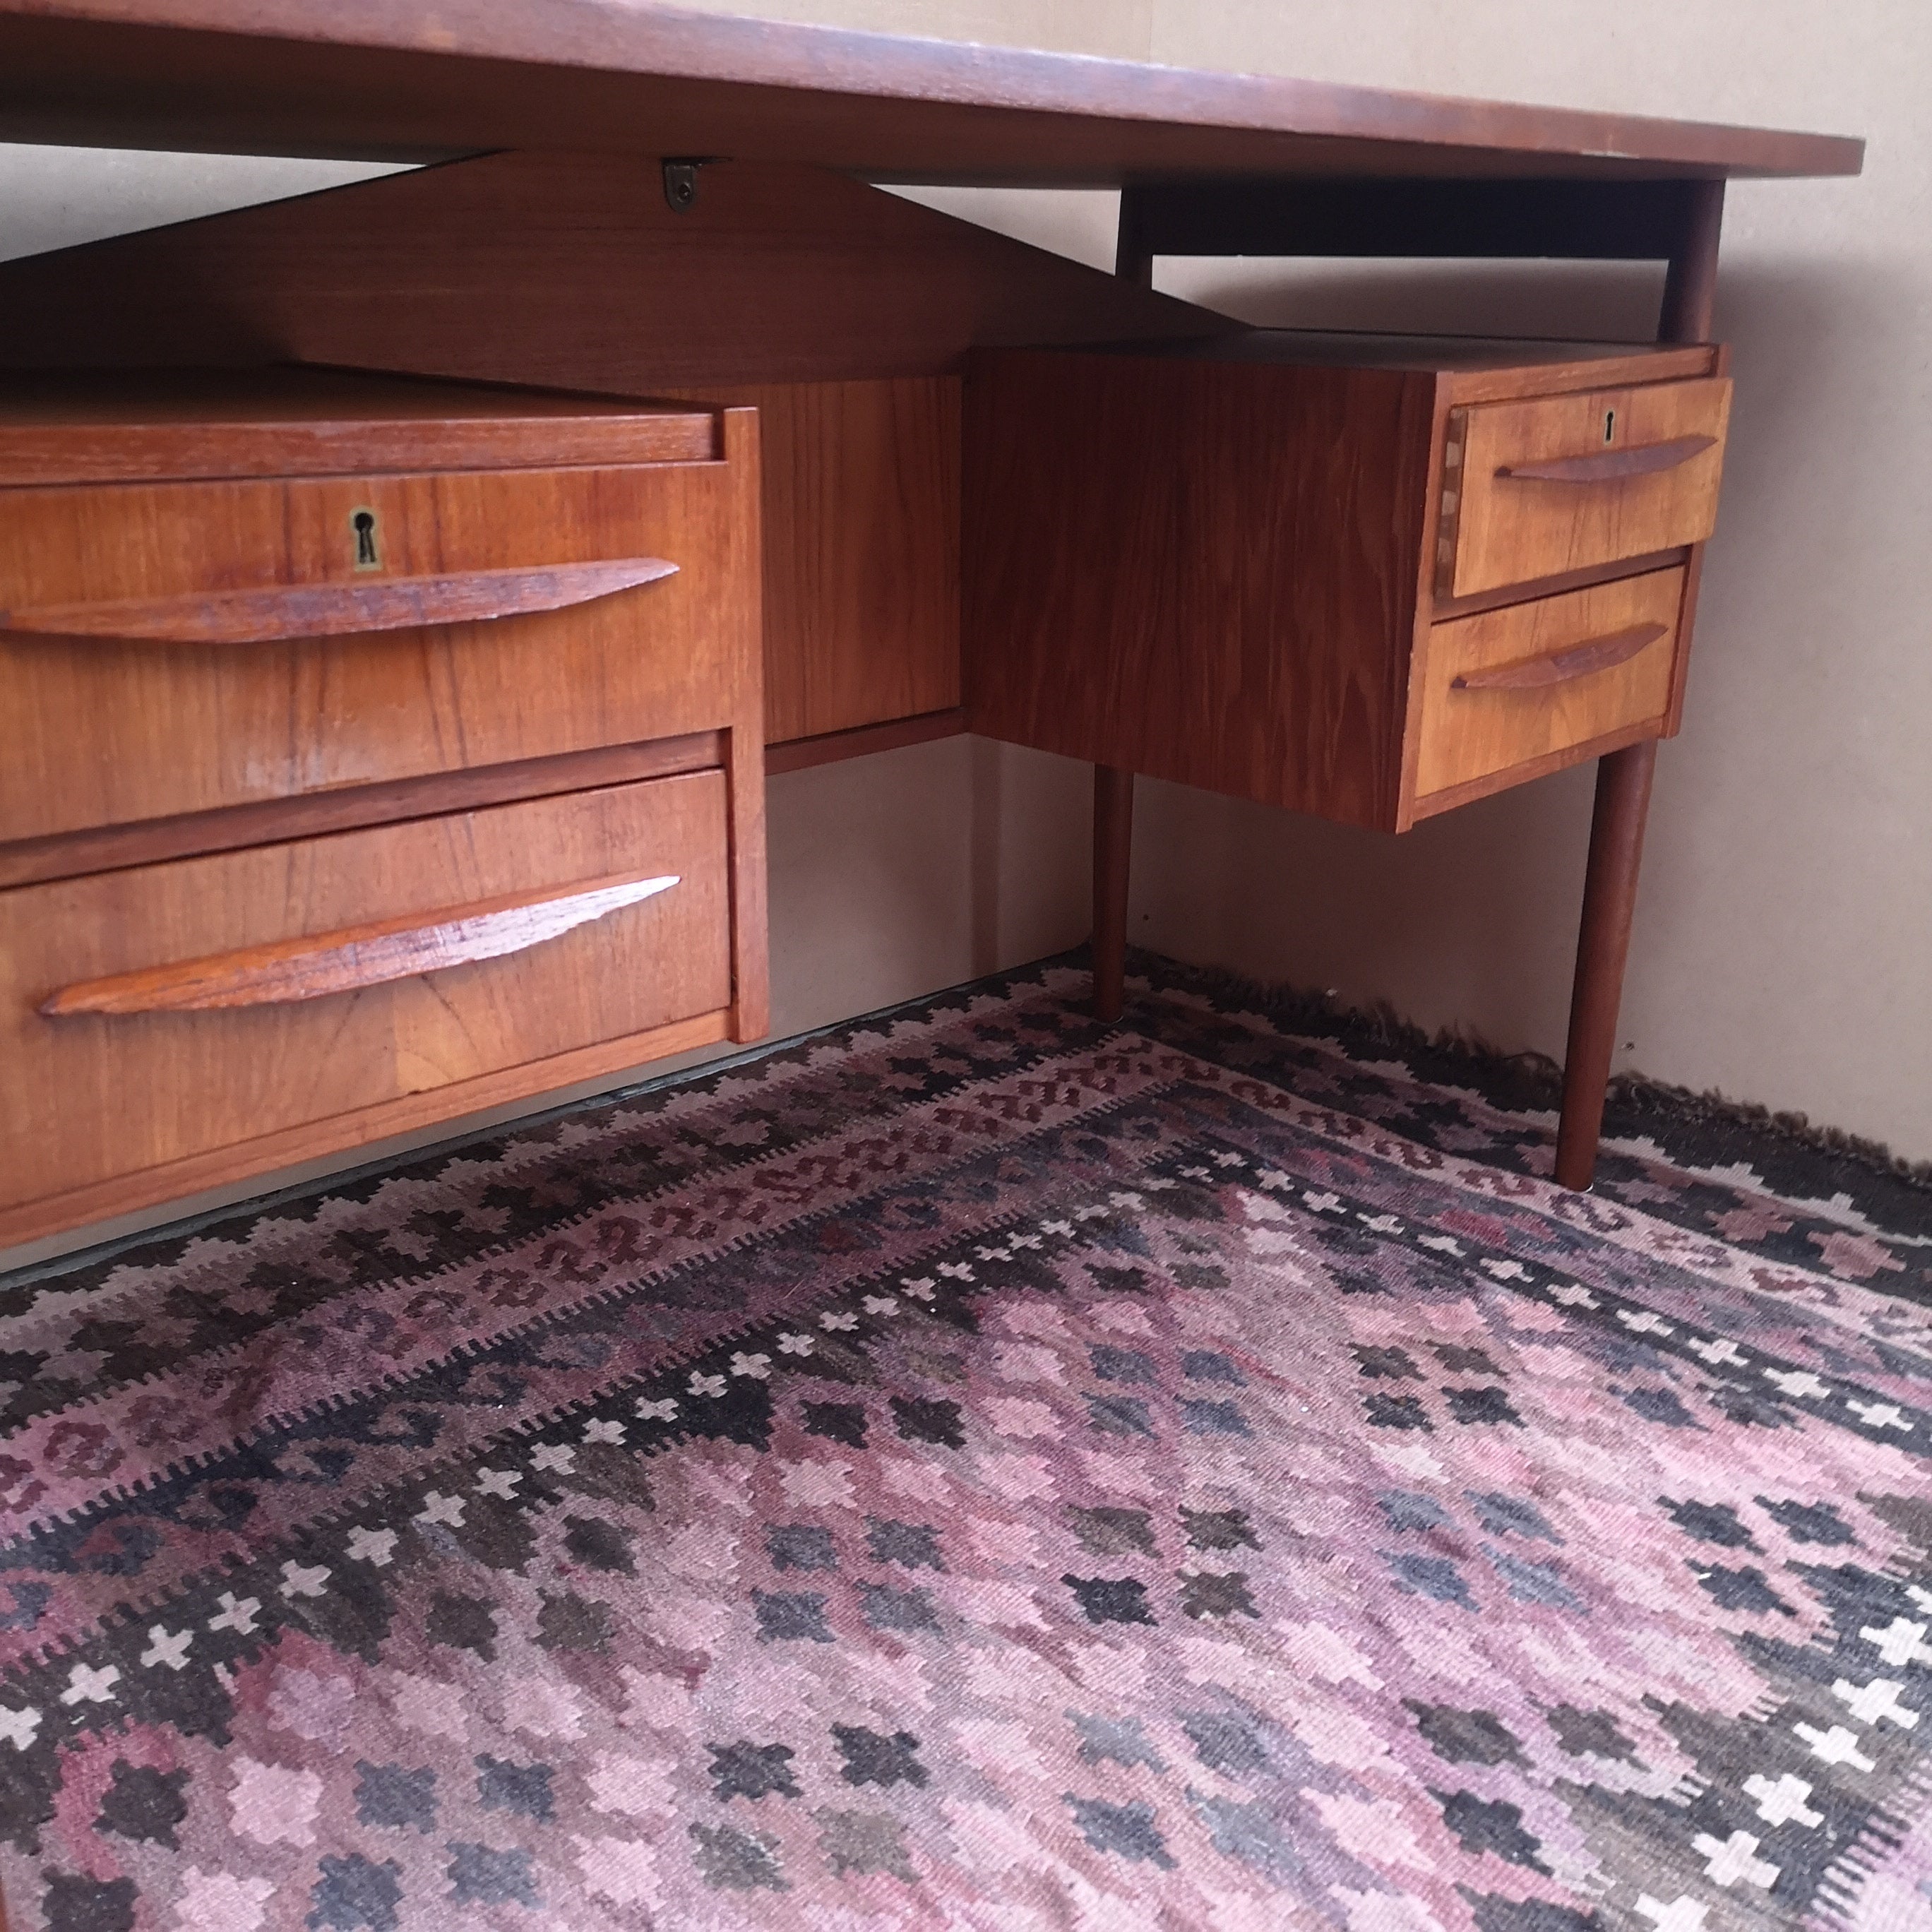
973 1469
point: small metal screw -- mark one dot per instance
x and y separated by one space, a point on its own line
680 181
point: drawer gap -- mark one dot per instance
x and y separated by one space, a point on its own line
149 841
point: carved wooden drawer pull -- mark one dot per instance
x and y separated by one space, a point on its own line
291 969
1611 465
337 610
1558 667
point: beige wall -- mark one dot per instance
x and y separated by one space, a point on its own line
54 197
1784 950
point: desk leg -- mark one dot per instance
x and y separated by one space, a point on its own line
1609 899
1113 856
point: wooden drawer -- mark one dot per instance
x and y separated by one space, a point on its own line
1534 488
170 648
1521 686
1216 565
515 949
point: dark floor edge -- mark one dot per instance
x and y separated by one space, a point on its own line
1639 1105
1706 1129
342 1180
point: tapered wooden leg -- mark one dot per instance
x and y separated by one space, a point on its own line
1113 853
1609 899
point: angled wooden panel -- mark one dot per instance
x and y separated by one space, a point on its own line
572 270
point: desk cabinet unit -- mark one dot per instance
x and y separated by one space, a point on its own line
370 751
1367 578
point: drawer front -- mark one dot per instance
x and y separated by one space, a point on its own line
1514 686
1534 489
194 702
208 1003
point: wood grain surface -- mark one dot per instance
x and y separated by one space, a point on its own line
190 728
777 277
861 519
1476 723
149 841
1560 666
588 279
287 972
411 77
800 754
178 1179
1203 570
1559 483
1617 825
286 611
1624 775
61 426
265 1002
1208 566
92 1098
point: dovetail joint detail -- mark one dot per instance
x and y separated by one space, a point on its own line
1449 511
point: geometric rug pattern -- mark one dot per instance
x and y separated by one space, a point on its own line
975 1469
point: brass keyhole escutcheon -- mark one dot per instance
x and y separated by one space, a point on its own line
368 556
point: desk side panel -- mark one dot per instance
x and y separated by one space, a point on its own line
861 551
1201 571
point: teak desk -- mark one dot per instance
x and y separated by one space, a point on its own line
986 489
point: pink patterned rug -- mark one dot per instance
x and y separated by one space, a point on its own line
971 1469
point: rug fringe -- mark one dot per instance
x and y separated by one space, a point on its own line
1527 1078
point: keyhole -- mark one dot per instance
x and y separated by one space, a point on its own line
1610 425
363 522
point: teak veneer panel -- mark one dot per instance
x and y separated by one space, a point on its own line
1508 528
106 426
861 516
410 77
179 1180
1480 730
93 730
842 311
1201 571
571 270
91 1098
150 841
1215 565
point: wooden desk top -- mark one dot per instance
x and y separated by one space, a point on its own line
415 79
